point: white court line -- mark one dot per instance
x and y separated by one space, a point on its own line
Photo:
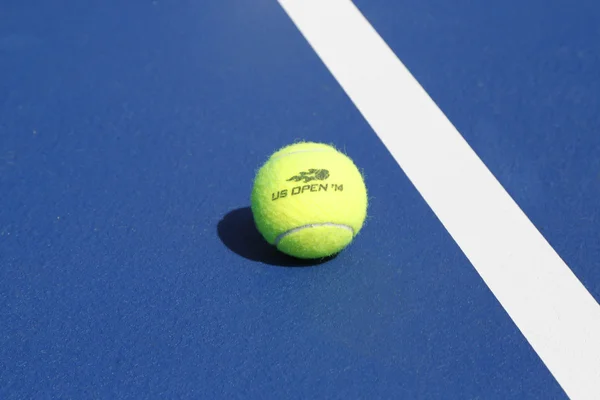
553 310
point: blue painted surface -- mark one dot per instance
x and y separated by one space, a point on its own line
129 137
520 82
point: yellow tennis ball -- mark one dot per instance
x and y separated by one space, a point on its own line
309 200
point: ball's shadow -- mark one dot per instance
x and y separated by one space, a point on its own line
238 232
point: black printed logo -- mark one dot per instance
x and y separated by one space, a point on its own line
310 175
306 187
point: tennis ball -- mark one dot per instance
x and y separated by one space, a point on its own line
309 200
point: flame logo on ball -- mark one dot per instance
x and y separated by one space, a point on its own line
310 175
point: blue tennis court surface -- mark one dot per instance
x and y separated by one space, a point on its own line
130 133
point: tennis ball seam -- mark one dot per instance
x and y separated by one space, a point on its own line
301 151
281 236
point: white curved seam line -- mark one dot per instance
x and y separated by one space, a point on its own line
281 236
302 151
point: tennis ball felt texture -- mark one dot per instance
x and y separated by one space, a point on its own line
309 200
